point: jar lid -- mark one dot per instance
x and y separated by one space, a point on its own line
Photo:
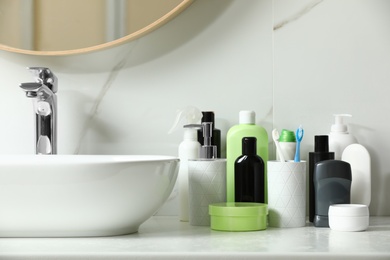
348 210
241 209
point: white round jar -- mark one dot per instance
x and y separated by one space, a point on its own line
348 217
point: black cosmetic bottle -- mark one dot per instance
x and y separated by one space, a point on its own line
249 173
321 153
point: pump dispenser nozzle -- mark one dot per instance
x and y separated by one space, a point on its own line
208 116
208 151
339 136
339 125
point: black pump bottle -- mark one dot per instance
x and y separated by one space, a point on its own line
249 174
321 153
208 117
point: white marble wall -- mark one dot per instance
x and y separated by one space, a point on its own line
293 62
334 57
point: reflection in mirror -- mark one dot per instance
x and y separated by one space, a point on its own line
60 25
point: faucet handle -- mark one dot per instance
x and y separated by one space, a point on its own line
31 88
45 76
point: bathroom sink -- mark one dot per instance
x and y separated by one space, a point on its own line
81 195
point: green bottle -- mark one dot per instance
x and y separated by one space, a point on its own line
245 128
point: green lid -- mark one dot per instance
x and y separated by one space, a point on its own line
238 216
287 136
241 209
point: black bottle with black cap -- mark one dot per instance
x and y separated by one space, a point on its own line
249 174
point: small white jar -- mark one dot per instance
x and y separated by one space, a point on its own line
348 217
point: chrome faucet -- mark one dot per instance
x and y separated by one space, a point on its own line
45 108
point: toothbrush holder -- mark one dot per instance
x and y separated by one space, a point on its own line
287 193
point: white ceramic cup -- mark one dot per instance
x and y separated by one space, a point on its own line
288 148
286 193
207 185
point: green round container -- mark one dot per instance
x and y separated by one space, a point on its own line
238 216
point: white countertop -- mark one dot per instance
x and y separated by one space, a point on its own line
167 238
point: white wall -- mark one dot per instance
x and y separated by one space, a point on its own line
293 62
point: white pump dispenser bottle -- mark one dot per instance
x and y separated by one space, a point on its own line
339 137
188 149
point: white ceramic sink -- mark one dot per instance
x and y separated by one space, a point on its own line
81 195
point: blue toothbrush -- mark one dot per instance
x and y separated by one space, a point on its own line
299 136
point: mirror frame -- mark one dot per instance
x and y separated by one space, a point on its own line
133 36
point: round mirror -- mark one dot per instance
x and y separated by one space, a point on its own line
64 27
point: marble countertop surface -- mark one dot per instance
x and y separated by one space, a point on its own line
168 238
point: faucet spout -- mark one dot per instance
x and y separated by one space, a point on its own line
45 109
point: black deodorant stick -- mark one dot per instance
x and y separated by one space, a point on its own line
332 185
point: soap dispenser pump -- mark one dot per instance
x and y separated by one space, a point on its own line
207 150
208 116
188 149
339 137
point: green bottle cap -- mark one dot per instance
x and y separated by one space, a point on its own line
287 136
